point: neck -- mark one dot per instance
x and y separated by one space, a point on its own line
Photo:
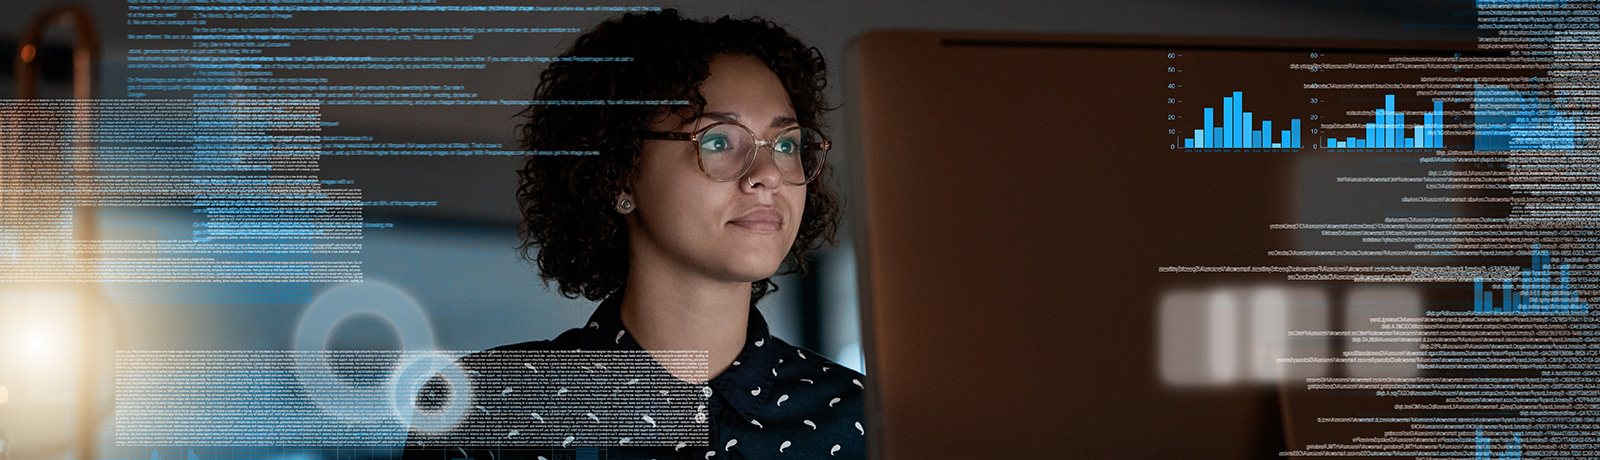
666 309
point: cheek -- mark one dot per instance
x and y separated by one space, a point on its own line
679 203
797 195
658 181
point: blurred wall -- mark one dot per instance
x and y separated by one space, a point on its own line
458 259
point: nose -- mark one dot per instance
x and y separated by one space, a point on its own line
763 170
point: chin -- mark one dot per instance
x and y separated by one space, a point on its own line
755 270
753 261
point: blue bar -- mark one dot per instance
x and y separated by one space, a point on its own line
1428 130
1244 134
1200 138
1381 137
1255 139
1349 142
1396 134
1288 141
1433 131
1383 126
1331 143
1488 299
1294 131
1239 129
1372 136
1227 121
1386 132
1393 128
1432 126
1188 143
1211 120
1214 139
1266 133
1477 295
1361 143
1438 124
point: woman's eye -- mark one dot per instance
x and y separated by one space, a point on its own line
787 146
716 144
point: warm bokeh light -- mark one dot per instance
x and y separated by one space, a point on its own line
41 358
43 331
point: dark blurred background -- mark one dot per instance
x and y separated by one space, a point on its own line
458 260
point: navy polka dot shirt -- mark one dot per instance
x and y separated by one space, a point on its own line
776 401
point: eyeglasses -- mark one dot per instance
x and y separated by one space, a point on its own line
727 150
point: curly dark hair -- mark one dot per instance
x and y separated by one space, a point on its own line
569 229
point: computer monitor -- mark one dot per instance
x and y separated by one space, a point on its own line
1019 196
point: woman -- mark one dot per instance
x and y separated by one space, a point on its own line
673 202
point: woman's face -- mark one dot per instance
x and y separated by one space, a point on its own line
724 231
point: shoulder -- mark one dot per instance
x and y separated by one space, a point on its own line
796 363
816 384
820 400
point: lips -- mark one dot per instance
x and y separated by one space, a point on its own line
760 220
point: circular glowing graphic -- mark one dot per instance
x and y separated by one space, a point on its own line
411 378
374 397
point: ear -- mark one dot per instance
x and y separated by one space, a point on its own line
624 203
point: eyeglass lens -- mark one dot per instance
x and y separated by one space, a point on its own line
725 153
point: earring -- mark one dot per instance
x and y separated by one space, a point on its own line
748 181
624 206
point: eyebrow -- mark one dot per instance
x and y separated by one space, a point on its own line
784 121
778 122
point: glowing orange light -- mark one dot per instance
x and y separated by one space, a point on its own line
27 53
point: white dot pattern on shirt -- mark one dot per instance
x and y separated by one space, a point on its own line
797 423
782 403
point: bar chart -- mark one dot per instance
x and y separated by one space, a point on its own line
1540 289
1388 130
1238 129
1482 448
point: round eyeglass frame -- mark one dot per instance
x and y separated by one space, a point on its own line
749 157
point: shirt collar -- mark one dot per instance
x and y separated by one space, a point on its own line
746 384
